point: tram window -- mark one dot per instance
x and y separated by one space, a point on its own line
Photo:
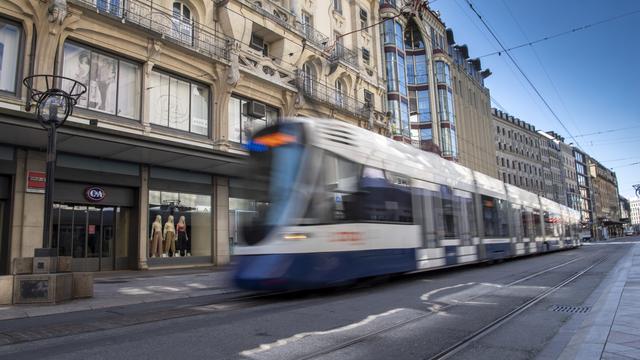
467 214
551 222
448 211
527 223
495 216
384 197
537 223
517 225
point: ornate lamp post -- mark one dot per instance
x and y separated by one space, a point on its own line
53 107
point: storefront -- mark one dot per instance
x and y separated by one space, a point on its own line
180 218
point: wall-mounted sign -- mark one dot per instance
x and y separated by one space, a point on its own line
94 194
36 181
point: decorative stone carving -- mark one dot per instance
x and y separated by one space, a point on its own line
57 11
233 73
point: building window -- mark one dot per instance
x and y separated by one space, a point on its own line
258 43
179 104
245 119
113 84
179 224
368 98
340 93
182 23
366 55
10 45
364 18
337 6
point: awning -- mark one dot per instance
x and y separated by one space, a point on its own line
20 129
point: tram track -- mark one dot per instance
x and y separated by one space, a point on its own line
484 330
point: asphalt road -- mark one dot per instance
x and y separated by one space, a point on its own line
412 317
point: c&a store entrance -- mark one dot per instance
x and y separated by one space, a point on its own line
97 237
98 234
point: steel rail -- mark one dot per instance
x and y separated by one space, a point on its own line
477 334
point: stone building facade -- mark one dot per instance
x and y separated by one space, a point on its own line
518 155
175 89
552 168
606 206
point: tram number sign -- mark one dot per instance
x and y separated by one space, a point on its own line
94 194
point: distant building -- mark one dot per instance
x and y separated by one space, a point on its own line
551 155
635 212
517 147
606 207
584 194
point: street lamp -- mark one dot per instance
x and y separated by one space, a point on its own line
53 107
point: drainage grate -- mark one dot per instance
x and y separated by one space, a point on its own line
571 309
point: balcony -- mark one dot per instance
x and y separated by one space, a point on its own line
161 21
341 53
276 13
319 92
312 35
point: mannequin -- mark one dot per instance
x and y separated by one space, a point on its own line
183 240
155 241
169 237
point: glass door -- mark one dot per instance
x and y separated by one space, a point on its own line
87 233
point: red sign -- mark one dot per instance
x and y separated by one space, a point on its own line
36 181
92 229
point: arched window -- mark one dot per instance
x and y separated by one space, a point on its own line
182 22
340 93
308 77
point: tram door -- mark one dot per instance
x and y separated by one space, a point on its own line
87 233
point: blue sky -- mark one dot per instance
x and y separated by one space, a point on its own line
590 78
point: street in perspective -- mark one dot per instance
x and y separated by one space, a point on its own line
319 179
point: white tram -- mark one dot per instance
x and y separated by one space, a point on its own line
346 204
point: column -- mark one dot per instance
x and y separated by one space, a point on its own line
221 254
143 215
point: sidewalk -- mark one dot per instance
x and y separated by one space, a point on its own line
117 288
612 331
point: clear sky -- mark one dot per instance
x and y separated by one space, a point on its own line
590 78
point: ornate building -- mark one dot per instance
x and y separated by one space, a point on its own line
175 89
436 98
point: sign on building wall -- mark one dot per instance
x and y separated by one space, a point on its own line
36 181
94 194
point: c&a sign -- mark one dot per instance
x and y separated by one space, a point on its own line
94 193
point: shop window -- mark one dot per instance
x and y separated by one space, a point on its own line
113 84
179 224
10 45
247 116
179 104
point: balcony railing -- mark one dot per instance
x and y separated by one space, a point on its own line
341 53
184 32
275 13
312 35
317 91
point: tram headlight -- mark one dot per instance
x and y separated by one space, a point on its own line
295 236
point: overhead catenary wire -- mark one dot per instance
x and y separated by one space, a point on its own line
563 33
523 73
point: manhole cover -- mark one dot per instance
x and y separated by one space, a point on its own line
571 309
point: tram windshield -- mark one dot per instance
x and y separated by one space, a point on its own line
276 154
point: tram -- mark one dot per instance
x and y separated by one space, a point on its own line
347 204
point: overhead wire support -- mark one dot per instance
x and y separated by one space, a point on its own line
535 89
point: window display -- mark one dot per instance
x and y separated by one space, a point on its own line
181 104
113 85
190 236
